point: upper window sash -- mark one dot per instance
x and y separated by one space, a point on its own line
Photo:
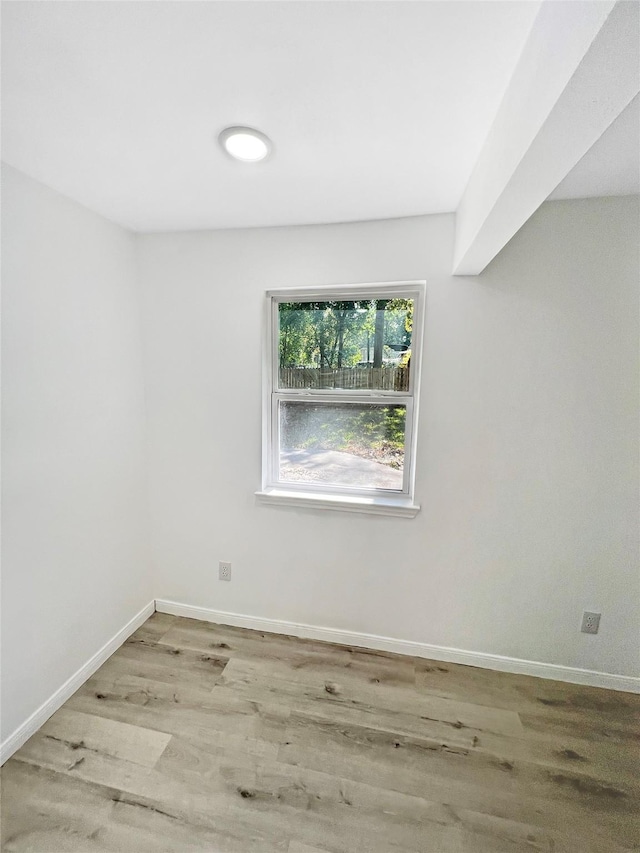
414 290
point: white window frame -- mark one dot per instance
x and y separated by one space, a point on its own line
324 496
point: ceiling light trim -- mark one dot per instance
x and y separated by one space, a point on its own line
226 136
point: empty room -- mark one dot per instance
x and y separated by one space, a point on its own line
320 426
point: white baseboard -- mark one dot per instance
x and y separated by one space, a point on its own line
573 675
42 714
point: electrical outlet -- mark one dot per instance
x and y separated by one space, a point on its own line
590 622
224 571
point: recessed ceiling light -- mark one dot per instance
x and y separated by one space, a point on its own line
245 143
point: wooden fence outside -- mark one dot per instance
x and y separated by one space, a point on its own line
346 378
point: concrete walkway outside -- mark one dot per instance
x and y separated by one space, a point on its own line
338 469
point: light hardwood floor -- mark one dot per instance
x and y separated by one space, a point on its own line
194 736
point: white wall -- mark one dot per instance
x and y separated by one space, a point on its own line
75 565
527 458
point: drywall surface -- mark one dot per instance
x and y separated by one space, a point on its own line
527 465
75 565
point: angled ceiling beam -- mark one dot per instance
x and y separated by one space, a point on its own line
578 71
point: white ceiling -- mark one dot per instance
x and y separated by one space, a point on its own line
375 109
612 165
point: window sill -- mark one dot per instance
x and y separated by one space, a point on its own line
401 507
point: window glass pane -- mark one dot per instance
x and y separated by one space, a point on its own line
342 444
364 344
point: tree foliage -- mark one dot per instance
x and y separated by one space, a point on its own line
334 334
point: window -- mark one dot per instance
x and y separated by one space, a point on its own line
342 370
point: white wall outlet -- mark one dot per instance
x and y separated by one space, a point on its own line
590 622
224 571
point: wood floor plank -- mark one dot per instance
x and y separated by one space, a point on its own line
223 718
150 789
272 804
301 704
233 640
269 679
54 812
298 657
120 740
528 694
407 819
298 847
456 765
578 828
178 676
304 798
194 736
207 666
156 626
180 711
